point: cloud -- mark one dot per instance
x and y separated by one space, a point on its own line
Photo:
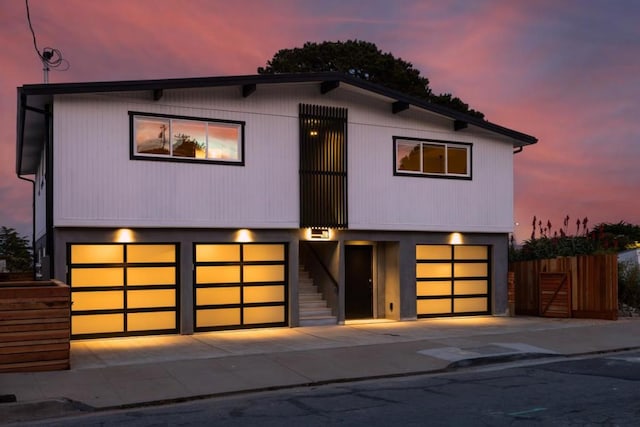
564 72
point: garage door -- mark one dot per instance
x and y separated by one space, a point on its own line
452 280
123 289
240 285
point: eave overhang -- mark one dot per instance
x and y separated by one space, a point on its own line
30 131
34 99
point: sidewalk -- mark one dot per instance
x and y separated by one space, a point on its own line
125 372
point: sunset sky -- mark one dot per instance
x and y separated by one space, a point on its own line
564 71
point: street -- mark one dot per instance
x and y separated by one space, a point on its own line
602 391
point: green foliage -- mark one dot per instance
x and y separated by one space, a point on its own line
363 60
16 250
621 234
545 242
629 284
545 247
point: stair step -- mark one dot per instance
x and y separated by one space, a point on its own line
319 321
313 312
309 297
313 304
313 307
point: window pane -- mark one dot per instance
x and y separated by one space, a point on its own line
433 158
223 142
408 156
457 160
152 135
188 138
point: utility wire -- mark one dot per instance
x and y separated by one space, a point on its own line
50 57
35 44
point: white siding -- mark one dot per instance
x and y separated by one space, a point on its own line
98 185
380 200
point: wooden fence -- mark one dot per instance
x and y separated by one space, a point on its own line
35 326
593 285
16 277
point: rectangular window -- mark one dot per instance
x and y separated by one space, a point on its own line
425 157
163 137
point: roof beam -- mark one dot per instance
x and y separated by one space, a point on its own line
459 125
328 86
399 106
248 89
157 94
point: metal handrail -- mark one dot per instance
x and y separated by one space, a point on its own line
324 267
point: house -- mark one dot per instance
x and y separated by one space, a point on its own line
630 257
187 205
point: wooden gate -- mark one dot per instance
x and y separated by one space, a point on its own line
555 294
593 285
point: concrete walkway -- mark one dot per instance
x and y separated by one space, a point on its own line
126 372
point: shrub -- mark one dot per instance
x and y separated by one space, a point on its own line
629 284
547 242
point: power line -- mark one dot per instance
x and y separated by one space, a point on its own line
51 58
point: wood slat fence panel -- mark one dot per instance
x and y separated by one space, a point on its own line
594 284
35 326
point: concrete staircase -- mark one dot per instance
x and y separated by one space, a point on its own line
313 308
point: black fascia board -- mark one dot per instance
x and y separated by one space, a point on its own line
199 82
20 129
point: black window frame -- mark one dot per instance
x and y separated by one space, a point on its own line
133 155
445 143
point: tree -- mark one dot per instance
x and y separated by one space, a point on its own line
363 60
15 249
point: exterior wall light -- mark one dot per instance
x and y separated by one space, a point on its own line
318 234
455 239
244 235
124 235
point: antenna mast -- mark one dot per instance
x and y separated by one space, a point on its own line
50 57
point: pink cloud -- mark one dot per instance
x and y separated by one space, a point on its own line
561 73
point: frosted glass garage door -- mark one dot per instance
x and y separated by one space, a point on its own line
123 289
240 285
452 280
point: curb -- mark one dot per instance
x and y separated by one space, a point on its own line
19 412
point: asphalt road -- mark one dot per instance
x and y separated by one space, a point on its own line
602 391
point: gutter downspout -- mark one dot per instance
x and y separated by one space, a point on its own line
518 150
33 223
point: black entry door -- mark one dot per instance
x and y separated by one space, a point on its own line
358 282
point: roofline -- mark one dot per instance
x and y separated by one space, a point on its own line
42 94
197 82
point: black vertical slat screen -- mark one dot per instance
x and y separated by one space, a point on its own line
323 166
